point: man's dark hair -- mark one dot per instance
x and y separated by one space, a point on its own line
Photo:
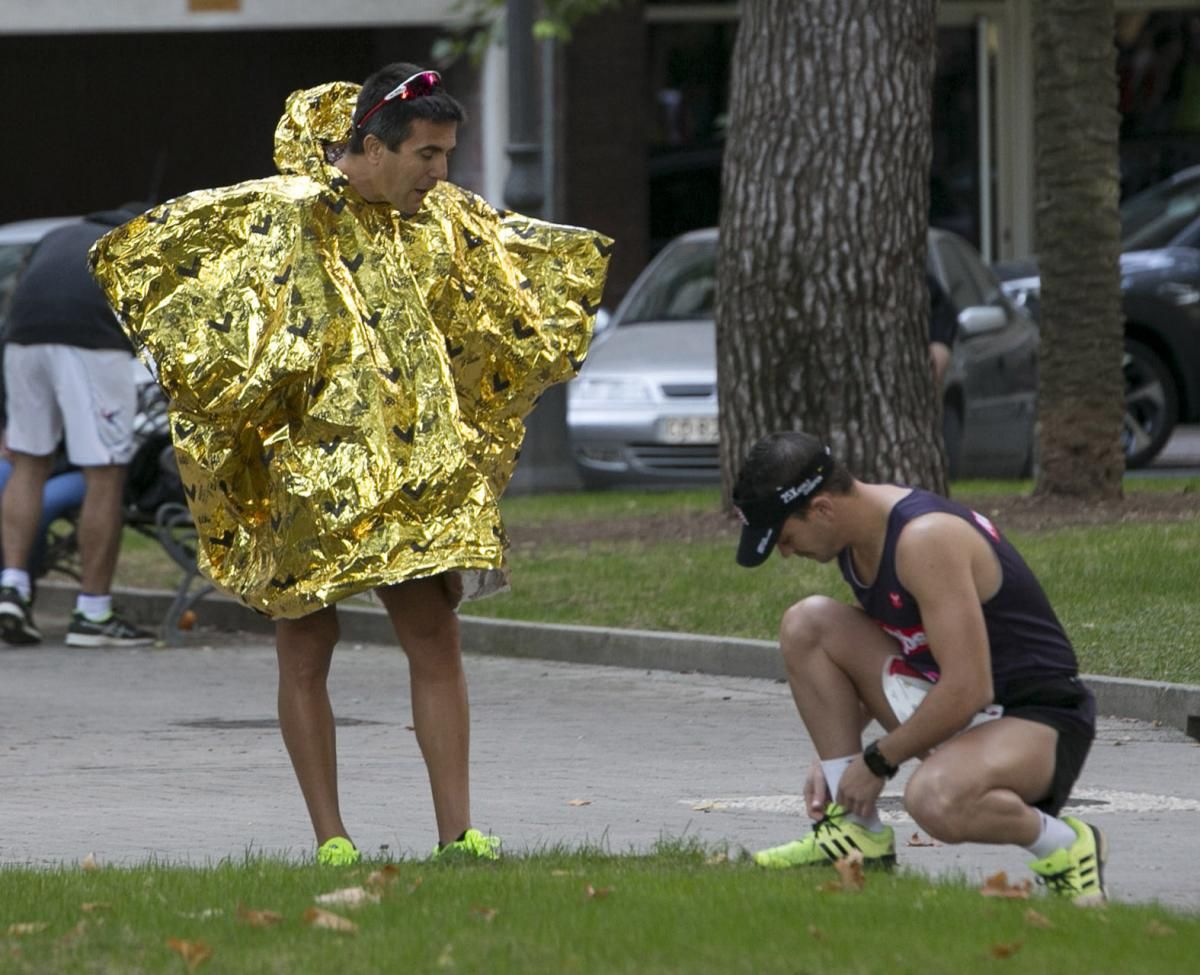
392 123
781 459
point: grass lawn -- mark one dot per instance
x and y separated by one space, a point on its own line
679 910
1125 591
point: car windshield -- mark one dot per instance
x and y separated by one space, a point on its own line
680 288
1156 216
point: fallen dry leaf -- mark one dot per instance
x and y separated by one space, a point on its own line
193 953
76 932
707 806
258 919
89 862
28 927
560 873
597 893
1036 920
486 913
850 872
918 840
579 802
716 859
415 885
89 906
353 897
446 958
816 933
1156 929
205 915
318 918
1006 950
383 878
997 885
187 619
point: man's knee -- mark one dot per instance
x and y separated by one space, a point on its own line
938 802
802 627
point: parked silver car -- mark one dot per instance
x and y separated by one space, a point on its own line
643 409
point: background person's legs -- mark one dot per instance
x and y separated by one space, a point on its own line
427 628
100 527
304 648
22 507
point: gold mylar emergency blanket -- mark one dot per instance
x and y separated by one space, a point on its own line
347 386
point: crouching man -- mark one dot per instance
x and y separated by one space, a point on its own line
955 651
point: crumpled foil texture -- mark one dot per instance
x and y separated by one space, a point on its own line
347 386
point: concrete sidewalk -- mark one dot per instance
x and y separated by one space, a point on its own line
174 753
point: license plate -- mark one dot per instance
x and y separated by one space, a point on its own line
689 429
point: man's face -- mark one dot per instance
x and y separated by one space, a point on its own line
810 535
402 177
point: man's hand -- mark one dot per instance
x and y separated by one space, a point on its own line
859 789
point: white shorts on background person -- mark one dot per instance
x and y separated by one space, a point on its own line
87 393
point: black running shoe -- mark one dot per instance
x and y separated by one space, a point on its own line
112 632
16 619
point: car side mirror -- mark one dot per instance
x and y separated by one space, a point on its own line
980 319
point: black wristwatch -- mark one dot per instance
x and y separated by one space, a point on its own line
877 763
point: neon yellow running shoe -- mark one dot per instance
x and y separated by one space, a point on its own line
1078 871
338 852
472 845
832 838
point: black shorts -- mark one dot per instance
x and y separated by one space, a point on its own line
1076 728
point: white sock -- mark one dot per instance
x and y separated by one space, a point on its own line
833 769
95 608
17 579
1055 835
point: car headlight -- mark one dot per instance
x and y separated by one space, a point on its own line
609 389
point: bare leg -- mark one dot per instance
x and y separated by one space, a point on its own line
100 527
304 648
427 628
977 787
834 657
21 508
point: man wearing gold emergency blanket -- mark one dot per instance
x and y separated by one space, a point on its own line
349 350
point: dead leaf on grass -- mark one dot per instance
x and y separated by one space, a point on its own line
352 897
383 878
446 958
484 913
193 953
1156 929
89 862
1006 950
90 906
918 840
258 919
415 885
717 859
850 877
579 802
27 927
997 885
317 918
1036 920
816 933
76 933
597 893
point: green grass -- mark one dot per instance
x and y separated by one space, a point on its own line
675 911
1124 591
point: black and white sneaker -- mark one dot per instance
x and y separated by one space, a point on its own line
112 632
16 619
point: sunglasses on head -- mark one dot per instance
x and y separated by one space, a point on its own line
418 86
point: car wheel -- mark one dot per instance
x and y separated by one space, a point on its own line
952 435
1151 405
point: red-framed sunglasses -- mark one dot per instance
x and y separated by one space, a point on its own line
418 86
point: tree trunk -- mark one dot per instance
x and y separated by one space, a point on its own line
1080 388
822 306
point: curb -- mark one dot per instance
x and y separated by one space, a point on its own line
1172 705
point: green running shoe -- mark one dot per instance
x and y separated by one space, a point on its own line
338 852
1078 871
833 837
472 845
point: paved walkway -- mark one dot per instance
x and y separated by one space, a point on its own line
174 754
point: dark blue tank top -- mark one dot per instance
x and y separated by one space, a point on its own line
1027 642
